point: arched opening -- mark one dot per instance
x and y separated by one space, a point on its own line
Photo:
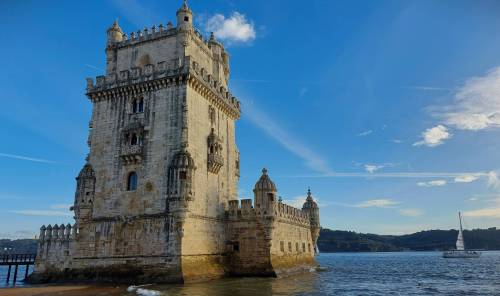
134 106
140 108
133 140
132 181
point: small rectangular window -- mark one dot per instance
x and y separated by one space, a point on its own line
303 247
182 175
309 248
297 247
289 246
282 246
236 246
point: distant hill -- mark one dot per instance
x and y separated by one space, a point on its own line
430 240
18 246
349 241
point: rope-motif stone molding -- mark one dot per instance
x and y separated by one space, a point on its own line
150 78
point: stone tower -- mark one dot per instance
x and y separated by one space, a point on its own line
156 200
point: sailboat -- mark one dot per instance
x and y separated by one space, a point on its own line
460 251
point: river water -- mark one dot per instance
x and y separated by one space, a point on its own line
404 273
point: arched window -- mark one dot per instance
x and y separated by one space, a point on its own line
133 140
132 181
134 106
141 106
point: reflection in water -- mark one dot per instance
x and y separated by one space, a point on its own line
292 285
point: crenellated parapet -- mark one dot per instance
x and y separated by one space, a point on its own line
291 214
165 73
283 212
57 233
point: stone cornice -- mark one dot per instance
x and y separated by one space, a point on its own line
151 78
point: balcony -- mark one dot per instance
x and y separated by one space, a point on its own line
131 154
215 162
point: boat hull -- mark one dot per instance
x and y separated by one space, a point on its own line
461 254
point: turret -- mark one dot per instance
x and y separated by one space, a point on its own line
265 195
180 177
184 17
311 207
221 58
85 191
115 34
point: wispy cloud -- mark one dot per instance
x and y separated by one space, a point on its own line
27 158
94 67
397 141
433 183
434 136
476 104
377 203
428 88
411 212
289 142
365 133
372 168
484 213
466 178
233 29
489 175
42 213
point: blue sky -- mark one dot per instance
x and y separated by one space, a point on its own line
388 110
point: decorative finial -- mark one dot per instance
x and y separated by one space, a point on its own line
185 4
309 195
264 171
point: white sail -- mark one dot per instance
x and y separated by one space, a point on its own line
460 239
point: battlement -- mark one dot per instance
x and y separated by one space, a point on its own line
57 233
155 33
283 211
290 213
166 72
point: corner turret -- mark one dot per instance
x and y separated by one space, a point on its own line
265 194
115 33
184 17
85 190
311 207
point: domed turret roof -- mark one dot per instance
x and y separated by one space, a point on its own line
183 159
87 171
310 203
265 182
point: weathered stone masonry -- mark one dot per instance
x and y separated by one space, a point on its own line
157 198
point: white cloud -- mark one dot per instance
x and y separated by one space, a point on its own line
466 178
411 212
42 213
376 203
312 159
397 141
61 206
235 28
484 213
372 168
365 133
21 157
476 104
493 179
434 136
433 183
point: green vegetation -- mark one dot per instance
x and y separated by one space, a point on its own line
18 246
348 241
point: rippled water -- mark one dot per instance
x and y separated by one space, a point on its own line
408 273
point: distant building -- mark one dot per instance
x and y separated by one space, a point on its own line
157 199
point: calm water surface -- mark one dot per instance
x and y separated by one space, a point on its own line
409 273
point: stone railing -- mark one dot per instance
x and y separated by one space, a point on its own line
215 162
132 153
